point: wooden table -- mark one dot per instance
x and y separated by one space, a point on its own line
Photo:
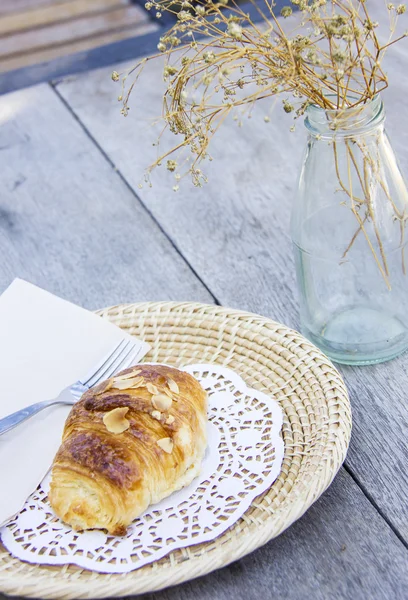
38 31
74 221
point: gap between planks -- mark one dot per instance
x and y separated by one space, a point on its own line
67 10
135 195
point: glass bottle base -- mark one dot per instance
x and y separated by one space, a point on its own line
360 336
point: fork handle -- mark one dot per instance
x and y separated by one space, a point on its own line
22 415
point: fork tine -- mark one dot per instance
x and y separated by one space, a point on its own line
106 360
130 361
115 365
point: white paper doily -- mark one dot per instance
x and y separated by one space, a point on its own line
243 458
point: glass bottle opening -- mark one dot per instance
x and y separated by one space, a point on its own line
345 121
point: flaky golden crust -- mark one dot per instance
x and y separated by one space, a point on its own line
104 480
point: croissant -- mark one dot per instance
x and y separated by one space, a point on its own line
128 443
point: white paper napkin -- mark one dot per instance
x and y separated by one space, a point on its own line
46 344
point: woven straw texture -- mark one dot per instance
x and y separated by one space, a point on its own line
316 432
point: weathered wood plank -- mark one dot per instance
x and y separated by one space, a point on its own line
14 6
54 13
71 52
235 233
241 217
67 221
69 32
56 68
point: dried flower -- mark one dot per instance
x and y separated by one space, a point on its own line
339 56
169 70
227 63
369 25
286 12
171 165
207 78
209 57
287 106
115 76
234 30
184 15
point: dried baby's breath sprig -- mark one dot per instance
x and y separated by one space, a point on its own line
171 165
219 61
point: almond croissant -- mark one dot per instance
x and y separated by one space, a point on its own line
128 443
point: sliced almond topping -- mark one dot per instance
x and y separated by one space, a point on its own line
104 387
168 392
129 375
156 414
118 384
152 388
161 402
166 444
170 420
127 384
173 385
137 382
115 420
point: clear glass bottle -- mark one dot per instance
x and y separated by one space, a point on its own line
348 232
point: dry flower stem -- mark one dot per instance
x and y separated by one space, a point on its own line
218 62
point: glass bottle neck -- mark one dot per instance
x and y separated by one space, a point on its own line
346 122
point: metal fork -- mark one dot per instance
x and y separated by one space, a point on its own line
122 356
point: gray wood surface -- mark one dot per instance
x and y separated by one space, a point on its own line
68 222
326 555
235 233
73 224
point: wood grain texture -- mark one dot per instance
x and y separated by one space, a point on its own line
55 69
235 233
67 221
236 228
54 13
55 30
13 6
72 52
61 34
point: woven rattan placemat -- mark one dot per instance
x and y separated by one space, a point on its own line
316 431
